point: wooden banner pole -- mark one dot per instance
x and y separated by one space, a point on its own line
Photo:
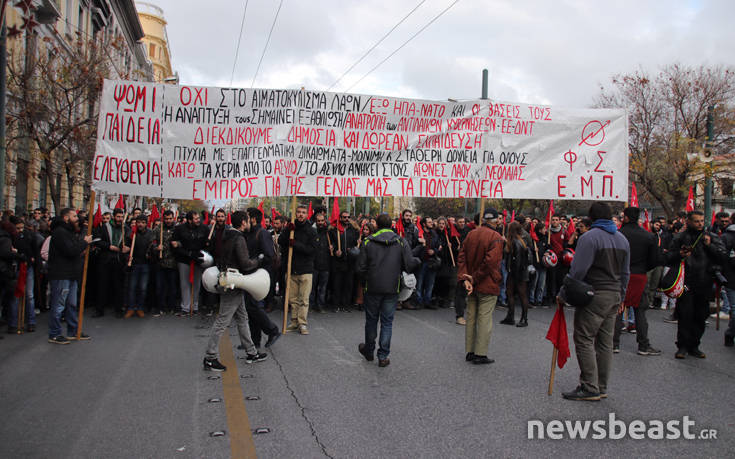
160 240
553 370
449 246
86 265
132 249
288 266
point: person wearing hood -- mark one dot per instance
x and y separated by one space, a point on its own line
728 270
383 257
703 252
302 267
602 260
234 255
65 260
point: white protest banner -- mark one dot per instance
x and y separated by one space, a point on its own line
229 143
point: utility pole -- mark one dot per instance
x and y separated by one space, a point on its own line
710 166
484 97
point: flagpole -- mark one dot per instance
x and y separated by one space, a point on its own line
288 265
132 249
449 246
86 267
160 241
552 372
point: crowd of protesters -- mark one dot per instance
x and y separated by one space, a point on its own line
142 264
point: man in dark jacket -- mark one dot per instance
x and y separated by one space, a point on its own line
322 264
342 273
478 270
65 263
643 258
302 267
167 280
235 255
383 257
188 241
602 260
728 270
411 232
702 251
141 244
28 252
111 255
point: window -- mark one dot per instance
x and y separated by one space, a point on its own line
152 51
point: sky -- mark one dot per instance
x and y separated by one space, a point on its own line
542 52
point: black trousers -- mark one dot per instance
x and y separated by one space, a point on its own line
515 289
692 309
342 285
258 320
110 282
641 325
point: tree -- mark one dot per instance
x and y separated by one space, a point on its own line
52 105
667 125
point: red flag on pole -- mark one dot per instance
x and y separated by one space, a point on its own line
505 216
647 221
400 229
690 200
191 272
570 229
534 236
154 216
453 230
557 334
512 217
311 211
334 219
551 212
120 203
229 219
712 219
262 212
633 197
420 228
275 214
20 286
97 220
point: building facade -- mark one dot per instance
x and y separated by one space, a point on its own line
61 22
156 42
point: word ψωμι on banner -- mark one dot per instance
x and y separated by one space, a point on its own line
206 143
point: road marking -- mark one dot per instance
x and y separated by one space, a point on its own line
238 424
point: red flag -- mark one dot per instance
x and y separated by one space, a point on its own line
534 236
154 216
646 222
275 214
570 228
120 203
400 229
262 212
135 227
690 200
557 334
551 212
311 211
712 219
505 216
513 217
97 220
334 219
191 272
453 230
20 286
229 219
633 197
206 218
420 228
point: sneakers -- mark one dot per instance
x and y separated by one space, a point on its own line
461 321
616 349
257 357
648 351
82 337
303 330
293 326
698 354
140 313
723 315
482 360
382 363
581 395
128 314
158 314
213 365
361 349
61 339
603 394
272 339
508 321
631 329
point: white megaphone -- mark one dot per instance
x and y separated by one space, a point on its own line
408 286
257 284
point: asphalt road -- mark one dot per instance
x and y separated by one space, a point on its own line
137 389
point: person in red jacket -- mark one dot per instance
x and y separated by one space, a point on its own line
478 270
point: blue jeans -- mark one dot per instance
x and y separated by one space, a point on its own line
30 304
63 301
425 284
138 286
503 297
167 281
318 297
383 306
537 286
731 298
725 302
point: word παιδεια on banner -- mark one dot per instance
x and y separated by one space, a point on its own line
206 143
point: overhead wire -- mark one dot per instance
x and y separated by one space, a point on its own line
404 44
376 44
267 41
239 39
